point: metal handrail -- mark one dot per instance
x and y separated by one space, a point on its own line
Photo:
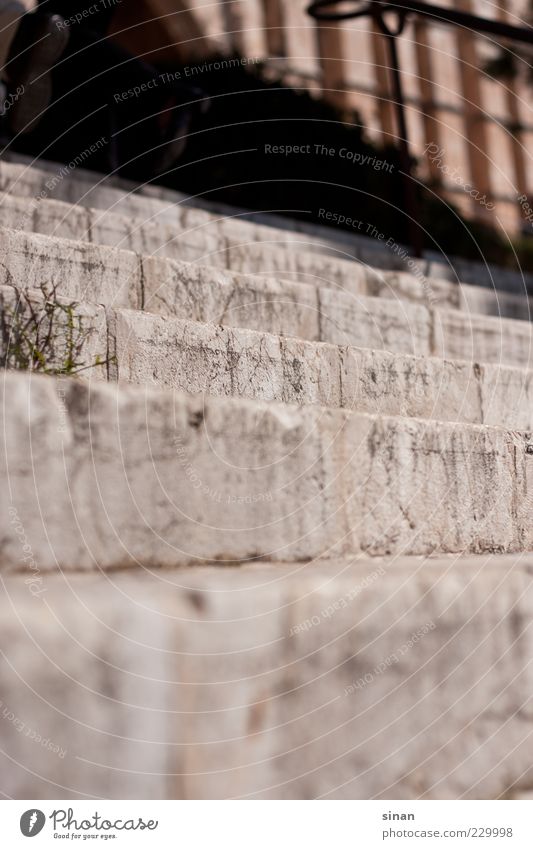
322 10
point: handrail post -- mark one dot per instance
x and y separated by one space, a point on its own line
322 10
412 206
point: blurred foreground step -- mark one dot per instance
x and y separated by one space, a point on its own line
396 679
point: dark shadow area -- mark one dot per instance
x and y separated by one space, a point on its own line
260 145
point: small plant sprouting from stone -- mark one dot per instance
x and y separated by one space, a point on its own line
44 334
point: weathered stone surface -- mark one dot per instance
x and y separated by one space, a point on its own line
196 236
484 301
214 296
397 679
145 219
417 287
97 274
64 336
195 357
80 271
109 477
298 266
49 218
483 274
485 339
220 361
284 308
52 181
23 177
156 237
84 711
508 389
290 309
440 721
381 323
174 231
322 672
100 275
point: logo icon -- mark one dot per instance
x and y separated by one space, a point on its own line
32 822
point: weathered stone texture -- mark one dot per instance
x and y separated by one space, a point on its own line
104 477
80 271
302 458
266 682
153 219
98 274
64 337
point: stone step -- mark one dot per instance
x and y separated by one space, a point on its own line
74 182
225 362
97 274
148 224
190 241
39 330
106 477
399 678
145 349
57 183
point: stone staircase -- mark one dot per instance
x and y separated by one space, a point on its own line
274 541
